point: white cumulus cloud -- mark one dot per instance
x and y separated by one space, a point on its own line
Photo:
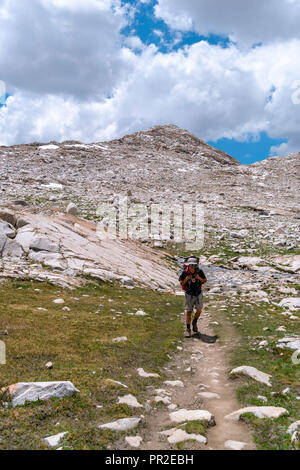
244 21
72 75
66 47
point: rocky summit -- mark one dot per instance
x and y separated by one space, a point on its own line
163 164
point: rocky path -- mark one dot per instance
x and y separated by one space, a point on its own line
203 370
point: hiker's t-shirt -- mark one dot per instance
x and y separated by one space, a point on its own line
193 288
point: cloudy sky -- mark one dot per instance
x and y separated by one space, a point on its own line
92 70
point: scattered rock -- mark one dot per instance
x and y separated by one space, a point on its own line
181 436
127 281
72 209
168 432
174 383
53 186
7 230
289 343
145 374
23 392
49 365
134 441
259 412
117 383
164 400
121 425
11 248
25 237
262 398
53 441
192 415
172 407
240 234
235 445
293 427
130 400
249 262
289 264
8 216
292 303
59 301
253 373
281 328
141 313
295 440
209 395
119 340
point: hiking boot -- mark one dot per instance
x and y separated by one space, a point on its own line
188 333
195 327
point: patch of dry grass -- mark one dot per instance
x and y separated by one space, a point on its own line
79 343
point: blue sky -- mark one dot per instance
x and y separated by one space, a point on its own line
152 30
3 99
254 150
225 71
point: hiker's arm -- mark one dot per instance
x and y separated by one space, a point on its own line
201 279
184 282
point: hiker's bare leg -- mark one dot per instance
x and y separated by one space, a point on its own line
198 313
188 319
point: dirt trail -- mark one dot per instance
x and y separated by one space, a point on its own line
209 364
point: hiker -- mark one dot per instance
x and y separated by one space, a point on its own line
191 281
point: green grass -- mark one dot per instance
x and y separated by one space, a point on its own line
294 286
269 434
79 343
196 427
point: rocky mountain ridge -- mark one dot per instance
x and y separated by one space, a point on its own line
164 163
249 209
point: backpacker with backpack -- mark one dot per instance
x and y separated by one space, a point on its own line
185 268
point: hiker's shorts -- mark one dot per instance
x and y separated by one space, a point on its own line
192 301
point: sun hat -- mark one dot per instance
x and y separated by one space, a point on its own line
192 261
